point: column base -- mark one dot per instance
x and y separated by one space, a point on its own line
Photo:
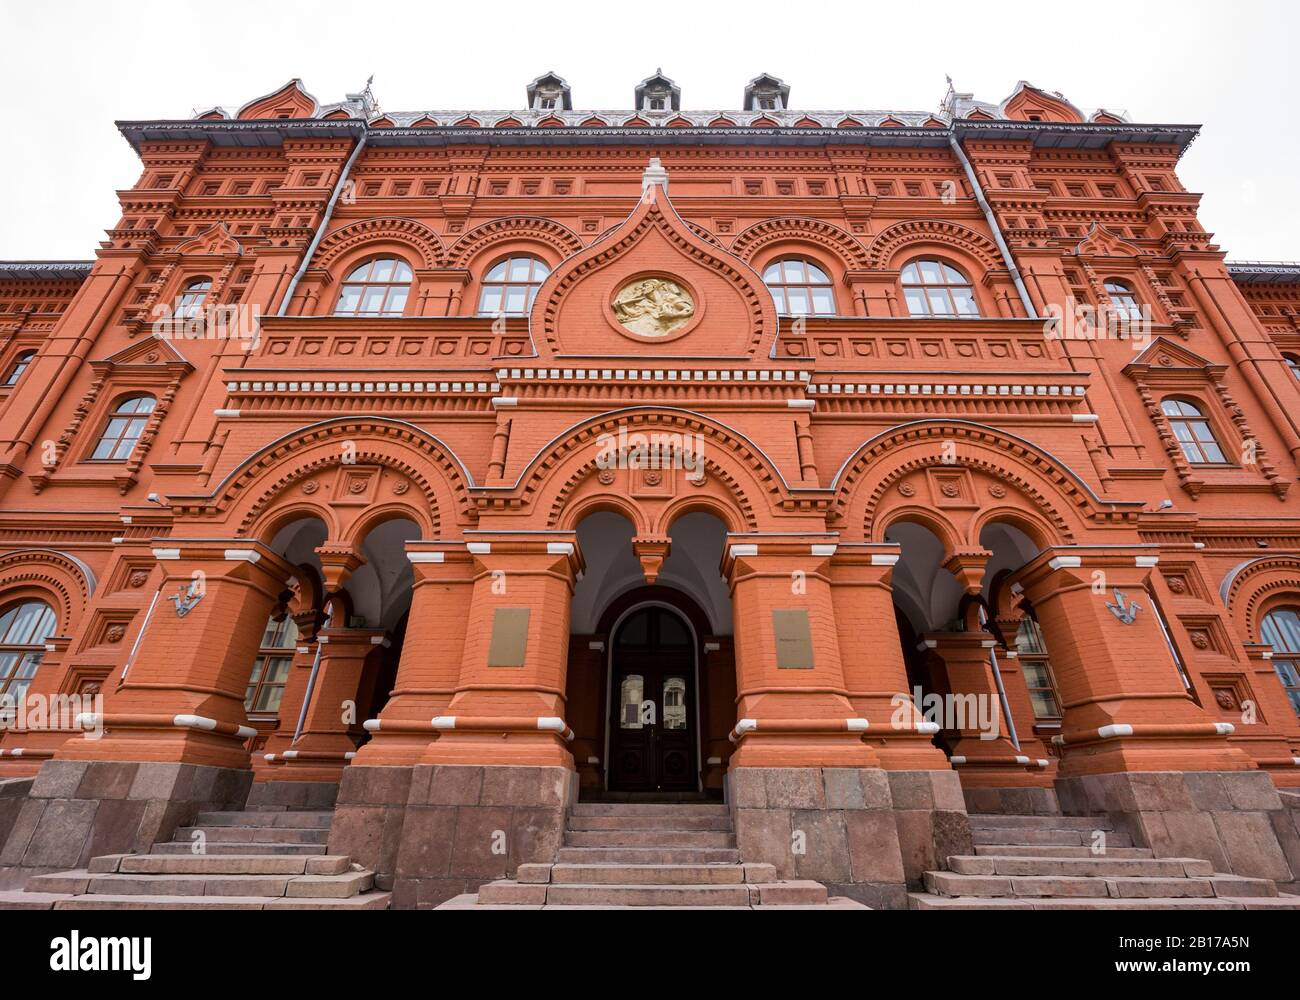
1237 820
76 810
865 833
431 832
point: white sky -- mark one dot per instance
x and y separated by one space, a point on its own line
72 67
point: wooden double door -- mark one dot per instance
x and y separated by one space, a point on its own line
652 721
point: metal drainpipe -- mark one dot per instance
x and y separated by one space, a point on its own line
324 222
993 225
1002 691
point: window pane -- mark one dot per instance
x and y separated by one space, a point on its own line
965 302
516 299
930 272
396 304
372 299
631 695
672 631
911 275
383 271
498 272
778 294
401 271
490 302
1281 630
916 305
348 299
674 705
823 301
940 304
797 300
521 268
773 273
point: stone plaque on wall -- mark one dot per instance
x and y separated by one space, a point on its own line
509 637
793 640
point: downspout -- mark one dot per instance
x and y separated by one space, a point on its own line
324 224
1002 691
992 221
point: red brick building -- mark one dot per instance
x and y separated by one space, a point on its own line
861 482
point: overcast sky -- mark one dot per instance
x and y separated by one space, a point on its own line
72 67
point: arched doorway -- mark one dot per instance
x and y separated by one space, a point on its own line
611 640
654 708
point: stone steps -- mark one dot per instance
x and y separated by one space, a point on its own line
648 809
271 859
1045 838
648 856
262 819
649 838
1040 851
999 821
593 823
249 834
1047 863
242 848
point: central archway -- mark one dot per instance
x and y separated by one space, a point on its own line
663 636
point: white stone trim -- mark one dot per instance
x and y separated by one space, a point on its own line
1110 732
161 554
443 722
559 548
223 414
242 555
427 557
858 725
1066 562
885 559
740 551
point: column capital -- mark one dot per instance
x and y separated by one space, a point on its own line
1074 564
338 560
487 545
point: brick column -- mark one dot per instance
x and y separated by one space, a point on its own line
871 651
508 705
429 669
182 696
985 759
326 744
1125 705
792 699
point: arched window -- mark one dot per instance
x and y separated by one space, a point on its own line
123 430
1281 630
377 288
1194 433
271 668
24 629
800 288
1123 301
510 286
20 365
190 302
1037 671
1293 363
936 288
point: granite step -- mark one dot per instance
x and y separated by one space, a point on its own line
649 838
251 834
368 901
649 809
928 901
1081 867
1023 837
178 848
648 855
732 874
650 822
301 820
1041 851
985 821
84 882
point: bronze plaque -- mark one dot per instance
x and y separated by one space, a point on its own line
794 649
509 637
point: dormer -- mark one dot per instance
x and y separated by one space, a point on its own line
658 93
549 92
766 93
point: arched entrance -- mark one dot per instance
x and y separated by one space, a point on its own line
665 646
653 723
